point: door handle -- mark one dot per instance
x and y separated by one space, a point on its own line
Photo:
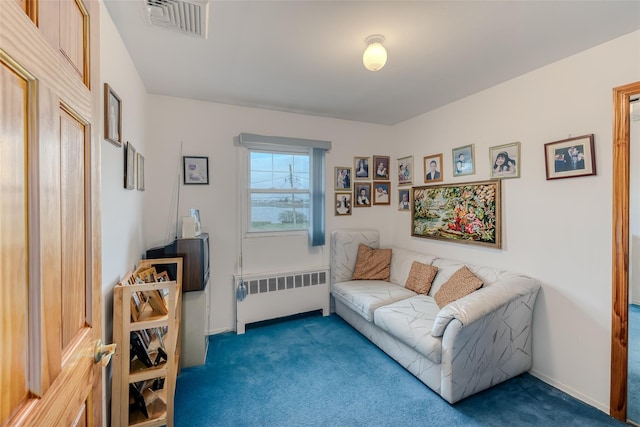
103 352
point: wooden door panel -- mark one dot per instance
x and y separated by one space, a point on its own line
72 139
58 382
72 30
13 251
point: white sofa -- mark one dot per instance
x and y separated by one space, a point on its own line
467 346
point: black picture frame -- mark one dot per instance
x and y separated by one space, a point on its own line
195 170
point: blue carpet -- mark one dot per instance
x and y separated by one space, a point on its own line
318 371
633 375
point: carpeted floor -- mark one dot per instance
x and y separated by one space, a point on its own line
318 371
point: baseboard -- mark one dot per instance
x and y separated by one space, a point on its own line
598 405
219 331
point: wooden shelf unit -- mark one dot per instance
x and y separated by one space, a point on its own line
159 403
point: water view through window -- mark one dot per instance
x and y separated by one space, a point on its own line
279 188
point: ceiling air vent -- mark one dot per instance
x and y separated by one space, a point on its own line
186 16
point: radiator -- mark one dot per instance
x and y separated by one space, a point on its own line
273 295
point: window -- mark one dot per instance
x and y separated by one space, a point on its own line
285 185
279 191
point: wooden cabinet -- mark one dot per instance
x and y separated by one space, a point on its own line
146 328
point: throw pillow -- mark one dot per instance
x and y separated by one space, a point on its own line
420 277
372 264
461 283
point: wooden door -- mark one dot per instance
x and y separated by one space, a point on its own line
50 288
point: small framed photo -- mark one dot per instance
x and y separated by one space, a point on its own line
361 166
342 176
505 160
433 168
362 194
343 204
381 167
196 170
140 164
570 158
404 202
463 160
381 193
112 116
405 170
129 166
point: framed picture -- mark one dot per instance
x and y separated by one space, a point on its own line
195 214
381 193
462 213
433 168
129 166
405 170
343 204
140 162
361 166
463 160
342 175
404 203
196 170
505 160
381 167
570 157
362 195
112 116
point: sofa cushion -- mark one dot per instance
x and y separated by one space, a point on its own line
420 277
372 264
344 251
401 262
410 321
365 296
461 283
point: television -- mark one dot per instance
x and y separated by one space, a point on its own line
195 260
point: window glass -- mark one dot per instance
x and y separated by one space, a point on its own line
279 191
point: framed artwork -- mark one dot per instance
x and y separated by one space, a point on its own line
405 170
343 204
196 170
463 160
140 162
361 167
195 214
381 193
505 160
112 116
433 168
461 213
570 157
362 195
381 167
342 175
129 166
404 203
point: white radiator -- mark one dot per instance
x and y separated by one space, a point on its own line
273 295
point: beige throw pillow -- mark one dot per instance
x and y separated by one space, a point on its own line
461 283
372 264
420 277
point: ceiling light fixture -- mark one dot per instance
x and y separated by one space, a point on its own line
375 56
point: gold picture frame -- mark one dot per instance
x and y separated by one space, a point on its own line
112 116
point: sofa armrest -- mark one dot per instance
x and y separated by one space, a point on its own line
482 302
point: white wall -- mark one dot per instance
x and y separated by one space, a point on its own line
556 231
122 210
208 129
634 208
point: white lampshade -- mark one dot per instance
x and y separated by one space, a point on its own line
375 56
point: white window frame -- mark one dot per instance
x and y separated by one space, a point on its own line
247 189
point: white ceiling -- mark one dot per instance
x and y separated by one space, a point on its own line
306 56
